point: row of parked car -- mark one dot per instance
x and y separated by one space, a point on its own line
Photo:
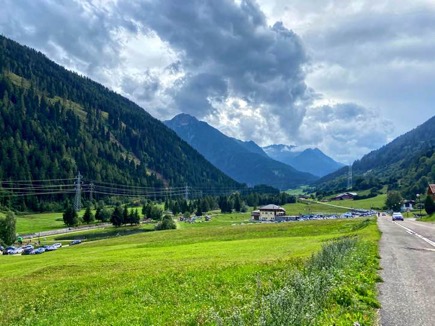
31 250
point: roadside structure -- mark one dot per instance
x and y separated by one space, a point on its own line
431 190
407 205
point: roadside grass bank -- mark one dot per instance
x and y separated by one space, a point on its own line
334 287
427 218
192 276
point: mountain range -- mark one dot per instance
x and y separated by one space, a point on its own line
311 160
246 162
55 123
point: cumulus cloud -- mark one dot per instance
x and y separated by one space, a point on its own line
346 129
380 54
75 34
228 51
246 73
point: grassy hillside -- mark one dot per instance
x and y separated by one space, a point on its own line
195 275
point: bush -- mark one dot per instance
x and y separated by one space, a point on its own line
429 205
167 223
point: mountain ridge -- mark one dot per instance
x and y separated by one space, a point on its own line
311 160
243 161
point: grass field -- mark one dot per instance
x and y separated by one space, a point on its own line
202 274
376 203
33 223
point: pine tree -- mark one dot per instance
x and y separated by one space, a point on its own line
116 217
88 217
135 219
8 229
237 203
125 215
70 217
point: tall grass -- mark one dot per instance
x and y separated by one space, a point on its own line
328 290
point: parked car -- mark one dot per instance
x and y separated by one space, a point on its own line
26 247
38 251
27 251
397 217
74 242
57 245
9 250
18 250
50 248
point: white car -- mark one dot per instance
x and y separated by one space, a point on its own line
397 217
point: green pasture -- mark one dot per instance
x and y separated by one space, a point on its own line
196 275
376 202
312 207
33 223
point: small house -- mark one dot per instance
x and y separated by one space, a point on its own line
269 212
407 205
346 195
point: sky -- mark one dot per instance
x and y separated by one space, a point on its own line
346 77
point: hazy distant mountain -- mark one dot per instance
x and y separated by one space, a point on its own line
243 161
311 160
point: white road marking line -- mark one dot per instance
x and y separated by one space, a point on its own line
432 243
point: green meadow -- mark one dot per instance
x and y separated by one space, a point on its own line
32 223
223 272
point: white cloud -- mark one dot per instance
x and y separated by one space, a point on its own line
232 65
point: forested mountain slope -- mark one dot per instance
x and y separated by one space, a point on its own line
243 161
407 163
55 123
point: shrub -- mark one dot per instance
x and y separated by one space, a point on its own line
167 223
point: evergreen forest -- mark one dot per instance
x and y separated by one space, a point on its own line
55 123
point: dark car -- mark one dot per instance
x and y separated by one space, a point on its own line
11 250
27 251
74 242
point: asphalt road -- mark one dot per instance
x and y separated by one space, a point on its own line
407 294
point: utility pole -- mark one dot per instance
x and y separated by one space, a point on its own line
186 193
78 197
349 178
91 197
